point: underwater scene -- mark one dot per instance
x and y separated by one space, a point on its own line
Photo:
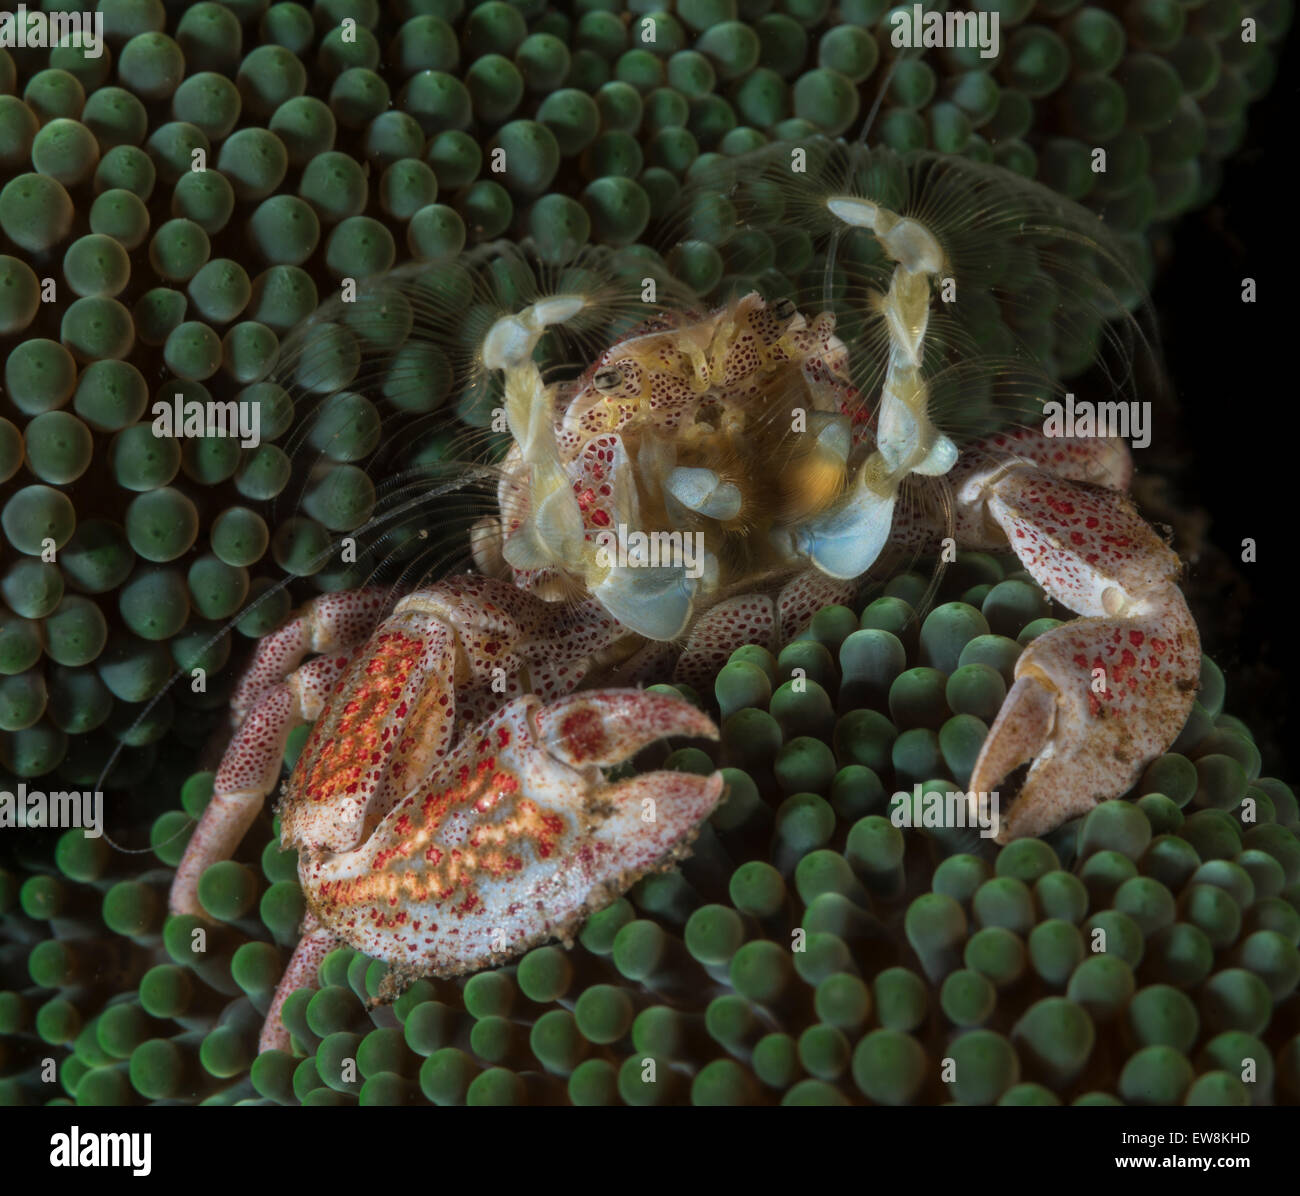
646 552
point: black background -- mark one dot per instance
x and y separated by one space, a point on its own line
1234 368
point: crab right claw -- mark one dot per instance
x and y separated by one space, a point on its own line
516 836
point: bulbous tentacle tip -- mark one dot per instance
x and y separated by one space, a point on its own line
606 727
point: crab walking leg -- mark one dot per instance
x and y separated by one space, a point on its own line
249 771
803 597
1095 700
314 943
517 835
1101 460
750 619
755 619
330 623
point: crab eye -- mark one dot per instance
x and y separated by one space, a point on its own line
783 309
610 378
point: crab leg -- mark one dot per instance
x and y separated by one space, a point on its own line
314 943
330 623
1097 698
249 771
1100 460
722 629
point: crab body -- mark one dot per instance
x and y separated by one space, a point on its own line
709 481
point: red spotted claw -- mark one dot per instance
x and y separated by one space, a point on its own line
1096 699
516 835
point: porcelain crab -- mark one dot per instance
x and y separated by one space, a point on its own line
709 481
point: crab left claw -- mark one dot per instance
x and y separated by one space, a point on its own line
516 835
1096 699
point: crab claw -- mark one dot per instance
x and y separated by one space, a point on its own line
516 835
606 727
1094 701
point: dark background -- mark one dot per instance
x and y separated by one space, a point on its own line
1236 451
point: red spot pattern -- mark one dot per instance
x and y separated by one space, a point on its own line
469 824
1099 459
596 467
355 732
719 632
584 732
1079 541
806 595
1130 674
